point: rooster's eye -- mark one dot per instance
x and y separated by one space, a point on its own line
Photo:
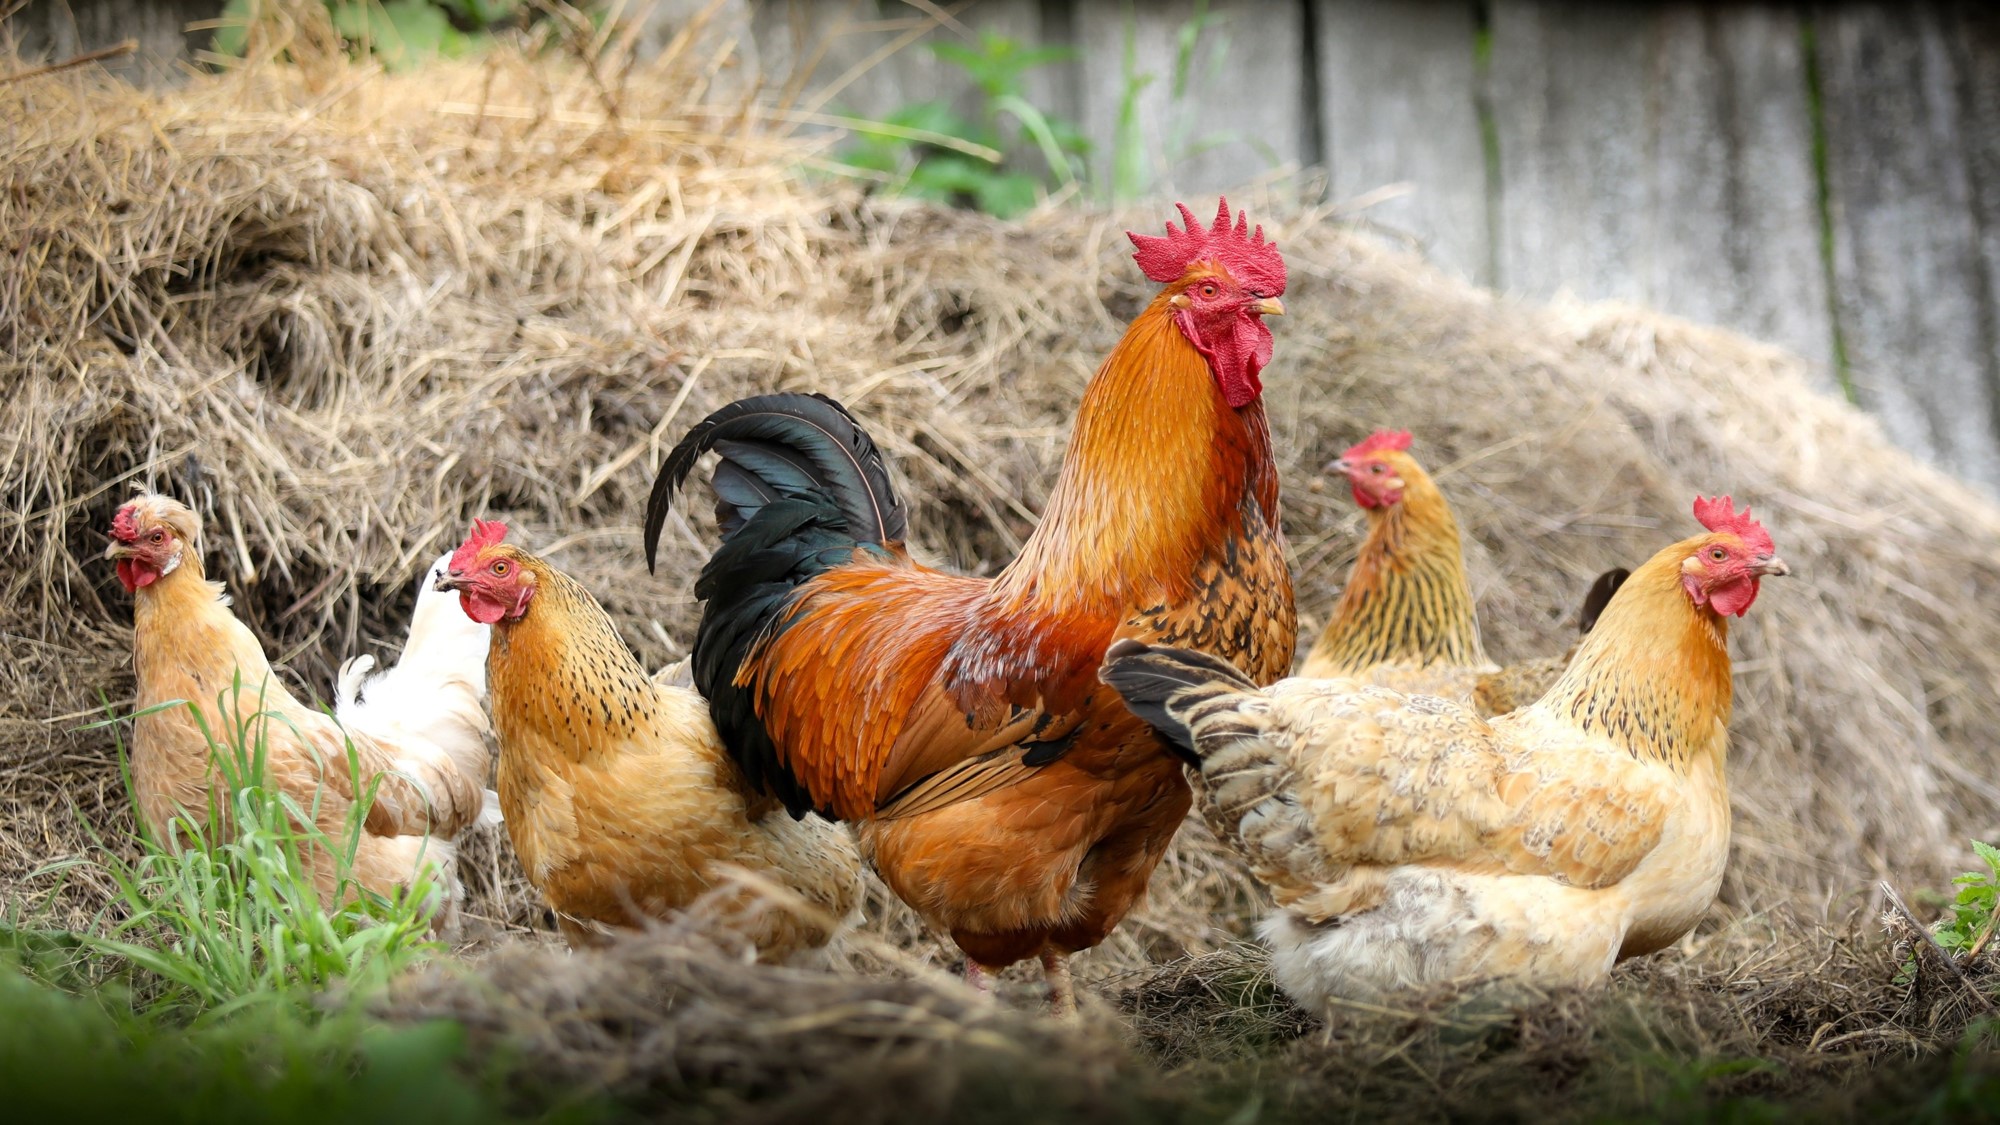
500 569
1376 468
1209 290
158 536
1718 554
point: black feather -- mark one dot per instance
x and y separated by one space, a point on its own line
812 433
799 489
1600 596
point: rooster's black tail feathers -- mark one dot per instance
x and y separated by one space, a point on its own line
799 489
785 446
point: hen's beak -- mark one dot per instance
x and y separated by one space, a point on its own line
1337 465
450 580
117 550
1772 567
1267 306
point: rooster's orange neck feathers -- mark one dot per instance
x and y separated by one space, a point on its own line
1408 600
1653 675
1159 470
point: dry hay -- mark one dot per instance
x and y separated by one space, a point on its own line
344 312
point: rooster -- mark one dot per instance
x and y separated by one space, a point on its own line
998 788
1408 841
424 757
1405 619
620 799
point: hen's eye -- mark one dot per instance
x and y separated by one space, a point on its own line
1376 468
1209 290
159 536
1718 554
499 569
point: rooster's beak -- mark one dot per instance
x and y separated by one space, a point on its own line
1772 567
450 580
1267 306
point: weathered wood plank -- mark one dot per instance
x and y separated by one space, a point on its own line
836 41
1570 114
1397 105
1906 245
1662 154
1240 112
836 36
1734 227
1973 36
65 28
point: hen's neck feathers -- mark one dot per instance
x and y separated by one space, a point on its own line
1159 471
563 671
182 620
1653 676
1408 599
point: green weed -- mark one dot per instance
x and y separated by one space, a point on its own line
927 150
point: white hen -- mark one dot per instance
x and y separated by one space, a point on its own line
433 700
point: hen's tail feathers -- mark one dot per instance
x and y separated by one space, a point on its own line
783 447
1174 689
1217 716
353 673
800 488
490 815
1600 596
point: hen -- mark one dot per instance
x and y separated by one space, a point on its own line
1000 790
425 762
1408 841
436 693
1406 619
620 799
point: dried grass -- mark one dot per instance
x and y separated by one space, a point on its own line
344 312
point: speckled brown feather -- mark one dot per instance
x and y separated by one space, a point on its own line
619 796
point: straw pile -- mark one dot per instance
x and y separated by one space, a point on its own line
343 312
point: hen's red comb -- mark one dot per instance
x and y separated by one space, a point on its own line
1379 440
1719 514
124 526
1253 262
485 533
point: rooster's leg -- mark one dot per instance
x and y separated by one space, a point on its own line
1062 994
977 976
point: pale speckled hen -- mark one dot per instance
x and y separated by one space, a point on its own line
1406 617
428 758
1409 841
617 792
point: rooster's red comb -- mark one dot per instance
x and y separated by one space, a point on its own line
1253 262
1379 440
485 533
1719 514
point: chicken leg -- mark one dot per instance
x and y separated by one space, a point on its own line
1062 993
978 977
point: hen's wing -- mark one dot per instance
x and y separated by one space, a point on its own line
1517 685
1320 780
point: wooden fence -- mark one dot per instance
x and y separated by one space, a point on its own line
1823 177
